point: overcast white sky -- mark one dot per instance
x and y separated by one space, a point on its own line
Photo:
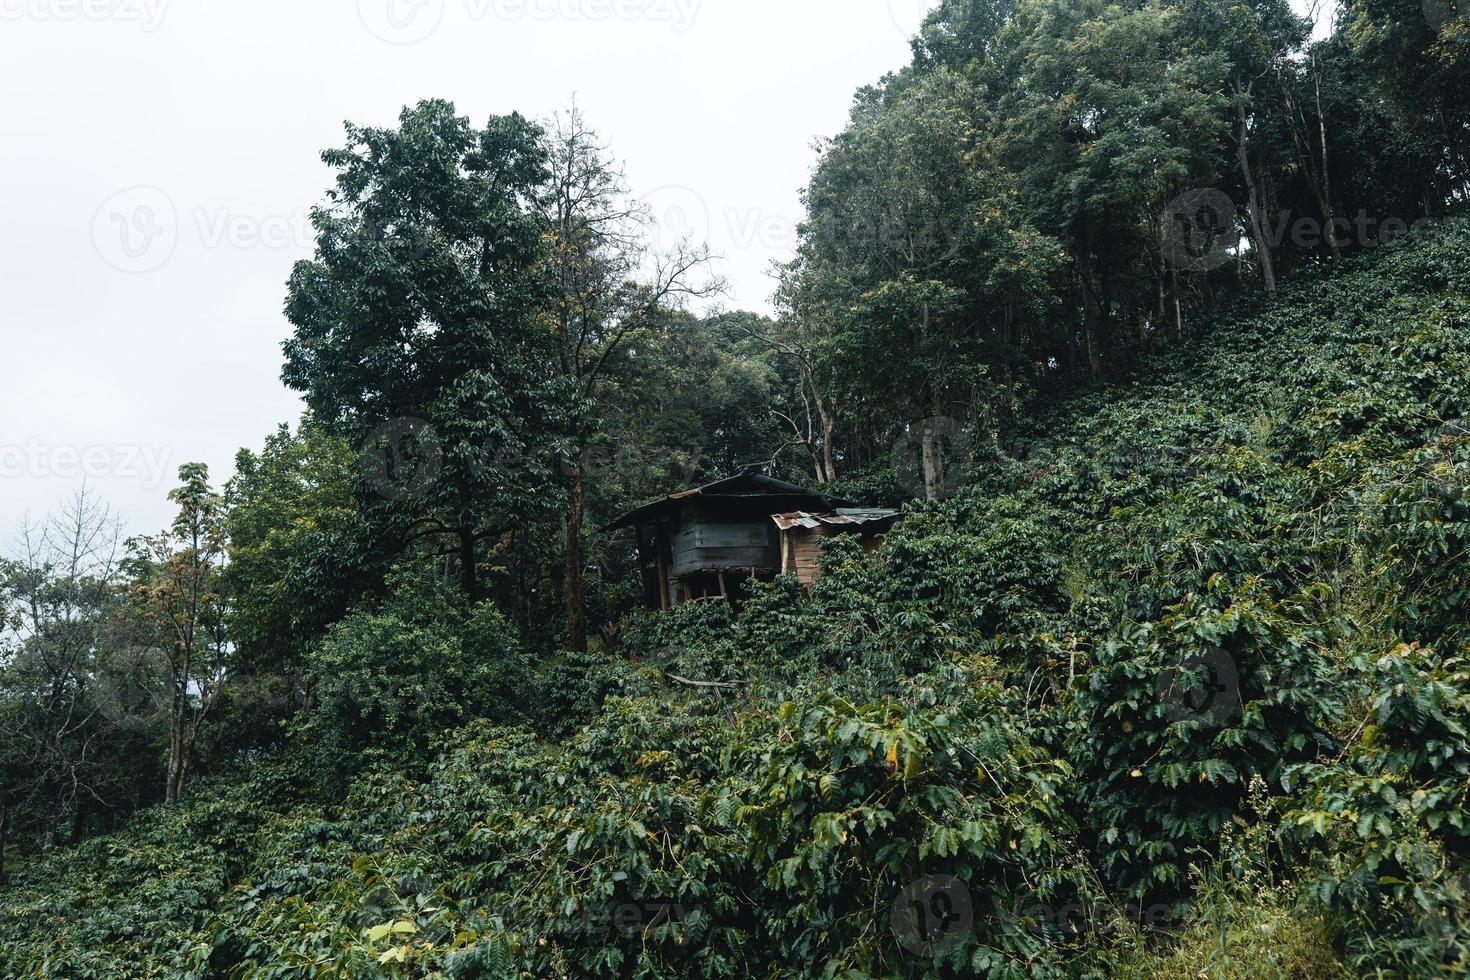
158 157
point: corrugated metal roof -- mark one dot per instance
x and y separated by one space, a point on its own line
844 517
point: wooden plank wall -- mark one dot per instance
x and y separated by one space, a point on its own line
802 550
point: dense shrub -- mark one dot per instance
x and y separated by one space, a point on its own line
388 679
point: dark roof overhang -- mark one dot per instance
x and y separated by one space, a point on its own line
743 493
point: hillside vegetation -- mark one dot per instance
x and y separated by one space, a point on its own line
1175 685
1151 315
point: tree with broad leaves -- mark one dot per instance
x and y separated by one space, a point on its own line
417 335
916 279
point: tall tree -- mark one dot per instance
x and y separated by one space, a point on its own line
290 513
914 273
178 587
416 335
1109 113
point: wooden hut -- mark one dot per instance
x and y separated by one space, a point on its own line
802 535
699 543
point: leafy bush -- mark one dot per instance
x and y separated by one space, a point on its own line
388 680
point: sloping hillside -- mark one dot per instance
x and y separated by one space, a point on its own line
1177 678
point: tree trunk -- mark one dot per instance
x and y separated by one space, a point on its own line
1161 272
1089 311
572 567
1325 193
930 448
175 749
1253 203
933 460
1318 181
78 821
829 433
1178 307
824 466
4 831
469 581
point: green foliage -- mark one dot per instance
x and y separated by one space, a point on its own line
388 680
290 510
1386 824
1180 714
1246 920
416 336
849 804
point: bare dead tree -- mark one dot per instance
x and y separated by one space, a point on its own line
815 432
58 593
606 284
